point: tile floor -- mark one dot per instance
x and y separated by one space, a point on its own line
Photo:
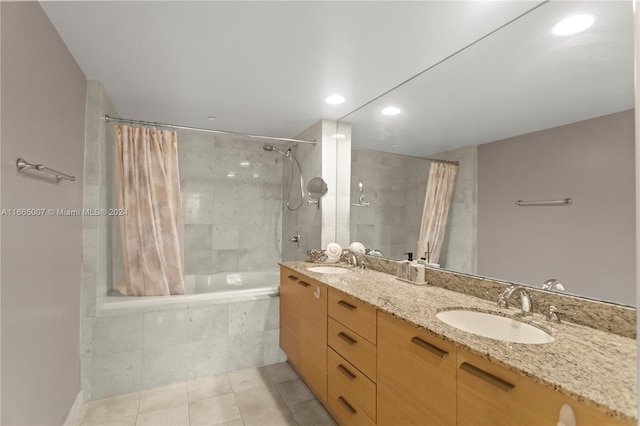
265 396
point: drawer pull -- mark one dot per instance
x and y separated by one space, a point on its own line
487 377
293 278
346 405
341 368
350 340
344 304
304 283
429 347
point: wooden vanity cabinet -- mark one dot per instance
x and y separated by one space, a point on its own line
489 394
303 328
416 375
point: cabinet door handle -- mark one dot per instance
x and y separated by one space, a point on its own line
350 340
344 304
304 283
487 377
429 347
293 278
346 405
341 368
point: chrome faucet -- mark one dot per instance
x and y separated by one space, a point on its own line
352 260
525 299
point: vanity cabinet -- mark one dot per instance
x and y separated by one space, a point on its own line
352 360
303 328
416 375
491 394
368 367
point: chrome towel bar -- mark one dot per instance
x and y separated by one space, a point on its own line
23 165
564 202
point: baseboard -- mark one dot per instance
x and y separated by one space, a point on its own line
73 418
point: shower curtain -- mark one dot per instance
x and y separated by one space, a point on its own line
442 179
148 189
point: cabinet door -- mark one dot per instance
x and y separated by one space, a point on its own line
416 375
489 394
312 329
290 292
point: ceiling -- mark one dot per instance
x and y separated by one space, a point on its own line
263 67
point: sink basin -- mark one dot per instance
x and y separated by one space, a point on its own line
328 269
494 326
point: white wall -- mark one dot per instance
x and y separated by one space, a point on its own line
43 107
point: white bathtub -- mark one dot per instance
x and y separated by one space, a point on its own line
226 287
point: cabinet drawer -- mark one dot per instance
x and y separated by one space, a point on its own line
351 312
350 381
416 375
352 347
491 394
345 410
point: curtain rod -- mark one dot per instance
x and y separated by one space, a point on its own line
107 119
457 163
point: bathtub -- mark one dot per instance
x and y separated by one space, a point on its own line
202 289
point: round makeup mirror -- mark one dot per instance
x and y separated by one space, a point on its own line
317 188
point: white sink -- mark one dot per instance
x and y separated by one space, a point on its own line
494 326
328 269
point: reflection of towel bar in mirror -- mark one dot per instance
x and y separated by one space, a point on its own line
564 202
316 189
361 202
23 165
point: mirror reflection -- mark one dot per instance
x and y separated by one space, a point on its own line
530 116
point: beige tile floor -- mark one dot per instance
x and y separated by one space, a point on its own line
265 396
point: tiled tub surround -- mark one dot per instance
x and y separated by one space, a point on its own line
592 366
144 347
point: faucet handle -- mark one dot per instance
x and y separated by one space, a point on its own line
552 314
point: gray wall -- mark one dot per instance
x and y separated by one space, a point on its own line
43 107
589 245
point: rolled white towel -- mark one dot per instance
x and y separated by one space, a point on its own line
357 248
333 250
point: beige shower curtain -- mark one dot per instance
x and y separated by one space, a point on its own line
442 179
148 187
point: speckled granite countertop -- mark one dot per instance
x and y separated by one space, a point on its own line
592 366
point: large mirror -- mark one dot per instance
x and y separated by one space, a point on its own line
531 116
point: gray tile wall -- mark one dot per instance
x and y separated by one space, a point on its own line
395 186
144 350
231 201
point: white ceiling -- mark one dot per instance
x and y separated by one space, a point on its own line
263 67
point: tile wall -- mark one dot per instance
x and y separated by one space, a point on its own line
147 349
232 204
395 186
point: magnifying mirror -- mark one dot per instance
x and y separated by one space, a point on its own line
317 188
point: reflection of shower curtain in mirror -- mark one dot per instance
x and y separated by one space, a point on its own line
442 179
148 188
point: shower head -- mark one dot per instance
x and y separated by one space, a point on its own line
270 148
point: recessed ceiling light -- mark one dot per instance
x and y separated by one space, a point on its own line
338 136
574 24
391 110
334 99
231 174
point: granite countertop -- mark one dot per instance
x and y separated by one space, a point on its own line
592 366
